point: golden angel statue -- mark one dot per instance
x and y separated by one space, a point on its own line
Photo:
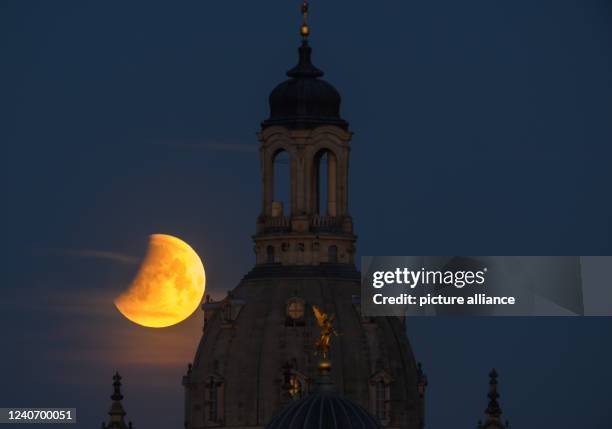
327 330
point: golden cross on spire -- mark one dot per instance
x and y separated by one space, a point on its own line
305 29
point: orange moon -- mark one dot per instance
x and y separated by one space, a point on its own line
168 287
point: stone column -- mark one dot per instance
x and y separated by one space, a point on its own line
293 162
332 184
268 183
314 188
301 179
308 181
343 184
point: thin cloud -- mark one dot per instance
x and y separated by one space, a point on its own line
93 253
88 331
212 146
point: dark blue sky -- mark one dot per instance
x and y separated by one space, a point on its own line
481 127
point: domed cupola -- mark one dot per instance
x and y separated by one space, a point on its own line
254 365
324 409
305 101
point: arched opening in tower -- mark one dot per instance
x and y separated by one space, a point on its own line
270 255
281 184
333 254
325 183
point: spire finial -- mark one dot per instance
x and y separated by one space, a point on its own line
117 396
493 410
116 411
421 380
305 29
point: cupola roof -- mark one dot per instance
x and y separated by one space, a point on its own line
305 100
323 409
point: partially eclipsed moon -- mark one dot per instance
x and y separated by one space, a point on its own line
169 285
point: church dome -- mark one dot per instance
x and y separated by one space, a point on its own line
305 100
323 410
256 356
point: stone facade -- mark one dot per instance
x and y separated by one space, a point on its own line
257 349
256 353
306 234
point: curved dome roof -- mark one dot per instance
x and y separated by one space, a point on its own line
250 337
305 100
323 409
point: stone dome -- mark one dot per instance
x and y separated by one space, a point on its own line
256 354
305 100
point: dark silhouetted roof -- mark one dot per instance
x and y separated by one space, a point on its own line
324 409
305 100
